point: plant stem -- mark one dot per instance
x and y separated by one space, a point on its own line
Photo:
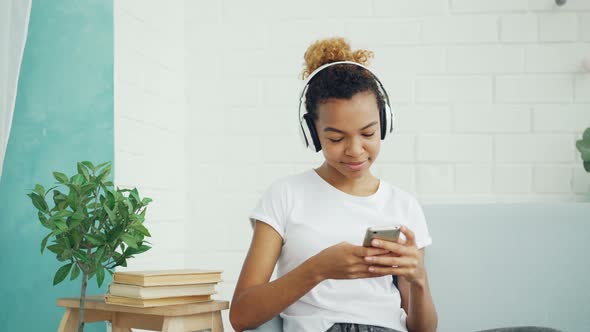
82 302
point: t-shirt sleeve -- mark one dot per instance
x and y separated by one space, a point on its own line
417 223
272 208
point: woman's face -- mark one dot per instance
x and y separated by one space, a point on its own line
349 132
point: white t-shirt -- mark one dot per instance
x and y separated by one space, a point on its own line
311 215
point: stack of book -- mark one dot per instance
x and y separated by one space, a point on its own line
164 287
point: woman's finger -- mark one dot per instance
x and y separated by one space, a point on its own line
383 271
395 248
392 261
364 251
410 237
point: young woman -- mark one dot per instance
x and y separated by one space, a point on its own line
311 225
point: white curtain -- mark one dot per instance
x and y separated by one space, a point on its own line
14 23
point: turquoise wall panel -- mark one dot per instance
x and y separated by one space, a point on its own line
63 114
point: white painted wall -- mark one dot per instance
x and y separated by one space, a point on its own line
150 117
490 98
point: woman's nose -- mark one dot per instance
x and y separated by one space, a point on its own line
354 147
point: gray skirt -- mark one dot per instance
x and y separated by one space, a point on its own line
351 327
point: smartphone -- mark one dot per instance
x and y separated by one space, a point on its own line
387 233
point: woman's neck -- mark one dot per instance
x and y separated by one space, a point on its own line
363 186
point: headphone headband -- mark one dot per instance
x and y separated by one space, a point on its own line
329 64
322 67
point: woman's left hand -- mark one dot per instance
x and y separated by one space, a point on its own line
404 259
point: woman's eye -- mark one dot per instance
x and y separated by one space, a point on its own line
369 135
336 140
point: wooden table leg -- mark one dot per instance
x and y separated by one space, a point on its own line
173 324
204 321
216 322
69 321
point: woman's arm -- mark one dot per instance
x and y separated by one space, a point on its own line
407 262
255 300
417 302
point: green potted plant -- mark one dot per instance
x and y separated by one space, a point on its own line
93 227
583 145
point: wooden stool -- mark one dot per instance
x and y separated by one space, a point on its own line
176 318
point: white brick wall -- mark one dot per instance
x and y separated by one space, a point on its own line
150 148
490 97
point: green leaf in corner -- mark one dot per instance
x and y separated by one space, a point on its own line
62 273
584 147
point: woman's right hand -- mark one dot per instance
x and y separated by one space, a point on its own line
345 261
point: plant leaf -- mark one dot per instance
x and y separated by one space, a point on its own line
104 173
40 190
78 215
584 148
141 228
77 179
61 273
61 177
99 275
44 242
44 220
56 248
94 239
98 255
81 255
38 202
131 251
129 240
101 165
82 170
61 224
110 213
75 272
88 164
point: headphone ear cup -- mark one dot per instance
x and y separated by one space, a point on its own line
383 121
386 118
312 132
390 121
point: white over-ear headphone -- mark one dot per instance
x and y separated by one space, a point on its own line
308 132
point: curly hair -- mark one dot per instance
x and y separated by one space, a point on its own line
341 81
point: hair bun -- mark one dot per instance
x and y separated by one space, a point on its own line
330 50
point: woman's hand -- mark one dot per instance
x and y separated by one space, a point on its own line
403 259
345 261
